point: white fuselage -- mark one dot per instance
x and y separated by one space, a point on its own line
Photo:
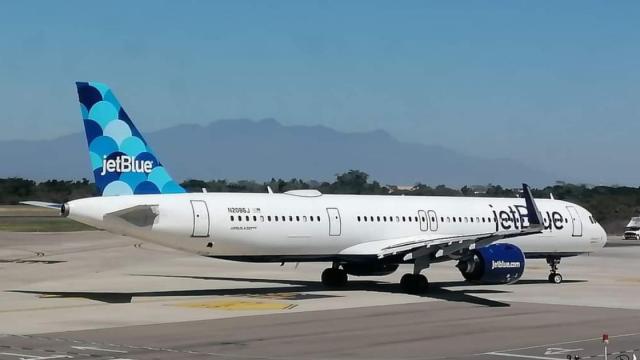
306 225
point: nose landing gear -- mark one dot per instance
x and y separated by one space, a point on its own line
554 276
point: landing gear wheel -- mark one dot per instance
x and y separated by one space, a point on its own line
555 278
414 283
334 278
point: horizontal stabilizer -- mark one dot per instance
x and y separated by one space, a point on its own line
42 204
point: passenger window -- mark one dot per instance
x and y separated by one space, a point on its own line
384 218
409 218
231 217
275 218
255 218
390 218
454 219
441 218
471 219
269 218
358 218
297 218
365 219
311 218
261 218
304 218
397 218
415 218
239 218
371 218
404 219
423 219
483 219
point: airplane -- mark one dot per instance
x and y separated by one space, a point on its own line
360 235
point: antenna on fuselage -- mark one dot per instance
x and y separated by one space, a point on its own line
269 189
551 196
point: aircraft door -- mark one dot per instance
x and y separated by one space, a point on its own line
200 218
433 220
424 221
335 228
575 219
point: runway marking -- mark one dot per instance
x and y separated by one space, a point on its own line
568 342
236 304
560 351
522 356
97 349
34 357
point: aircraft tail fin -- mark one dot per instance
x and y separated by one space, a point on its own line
122 161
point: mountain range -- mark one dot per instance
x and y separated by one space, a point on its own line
265 149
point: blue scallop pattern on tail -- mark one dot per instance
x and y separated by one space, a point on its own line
122 161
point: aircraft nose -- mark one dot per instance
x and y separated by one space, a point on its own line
603 236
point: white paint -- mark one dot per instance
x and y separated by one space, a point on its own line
98 349
560 351
522 356
570 342
34 357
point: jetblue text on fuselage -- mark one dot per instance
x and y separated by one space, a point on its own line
125 164
506 219
505 264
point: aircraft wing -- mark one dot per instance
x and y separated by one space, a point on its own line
439 245
444 245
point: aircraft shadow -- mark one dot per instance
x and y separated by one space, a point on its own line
293 290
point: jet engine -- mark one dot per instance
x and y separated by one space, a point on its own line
493 264
369 269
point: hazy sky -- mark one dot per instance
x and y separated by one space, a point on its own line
552 83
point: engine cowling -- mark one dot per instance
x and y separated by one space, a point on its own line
493 264
369 269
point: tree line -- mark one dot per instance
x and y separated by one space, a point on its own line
612 206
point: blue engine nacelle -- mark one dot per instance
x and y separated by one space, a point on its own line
493 264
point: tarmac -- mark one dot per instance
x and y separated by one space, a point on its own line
96 295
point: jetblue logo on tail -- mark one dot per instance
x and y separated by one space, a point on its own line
123 163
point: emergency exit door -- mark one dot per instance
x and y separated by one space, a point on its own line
200 218
424 220
575 219
335 227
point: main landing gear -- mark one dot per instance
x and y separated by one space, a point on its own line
414 283
334 277
554 276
